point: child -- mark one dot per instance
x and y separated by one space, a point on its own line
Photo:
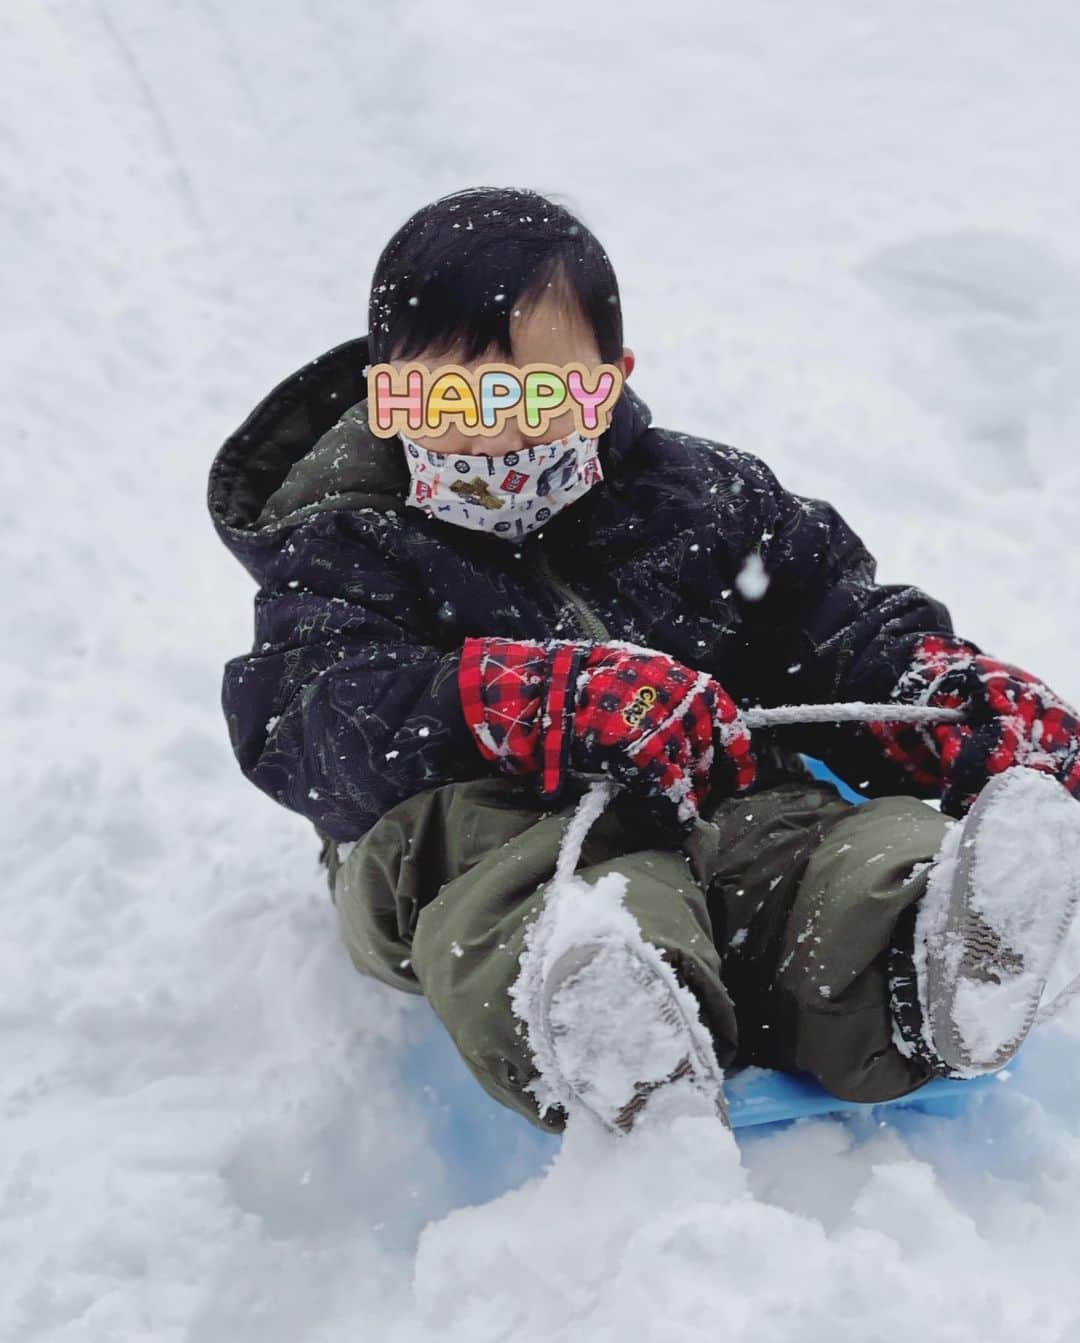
434 681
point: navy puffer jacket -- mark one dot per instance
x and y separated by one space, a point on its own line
347 703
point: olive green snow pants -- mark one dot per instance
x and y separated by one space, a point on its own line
777 913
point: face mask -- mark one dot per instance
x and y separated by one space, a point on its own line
508 496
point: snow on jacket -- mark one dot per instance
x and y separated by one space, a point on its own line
347 703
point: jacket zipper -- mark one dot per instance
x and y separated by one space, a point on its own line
590 624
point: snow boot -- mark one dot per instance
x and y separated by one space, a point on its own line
617 1038
986 936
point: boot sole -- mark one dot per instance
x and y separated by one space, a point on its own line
696 1065
976 957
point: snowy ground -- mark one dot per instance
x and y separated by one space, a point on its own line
847 243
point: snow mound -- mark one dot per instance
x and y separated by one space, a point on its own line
819 1232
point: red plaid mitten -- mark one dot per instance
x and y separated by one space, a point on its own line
657 727
1010 718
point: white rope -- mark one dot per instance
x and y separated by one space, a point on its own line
592 805
589 811
854 712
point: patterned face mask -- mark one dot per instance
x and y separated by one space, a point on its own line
508 496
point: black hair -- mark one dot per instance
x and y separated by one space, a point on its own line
453 273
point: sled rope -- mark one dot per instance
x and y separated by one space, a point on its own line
592 805
854 712
589 811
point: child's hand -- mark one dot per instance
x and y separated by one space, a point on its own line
1010 718
660 729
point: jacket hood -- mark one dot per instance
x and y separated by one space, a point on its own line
306 448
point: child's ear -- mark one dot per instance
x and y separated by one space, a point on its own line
627 361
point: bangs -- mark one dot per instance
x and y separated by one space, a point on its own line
450 278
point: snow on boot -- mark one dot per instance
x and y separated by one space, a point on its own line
619 1039
1000 900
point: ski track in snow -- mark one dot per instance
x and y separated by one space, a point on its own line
848 246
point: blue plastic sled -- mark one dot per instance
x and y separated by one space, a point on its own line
758 1097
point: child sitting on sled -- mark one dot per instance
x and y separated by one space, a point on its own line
437 678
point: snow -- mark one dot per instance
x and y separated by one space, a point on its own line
848 246
752 580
